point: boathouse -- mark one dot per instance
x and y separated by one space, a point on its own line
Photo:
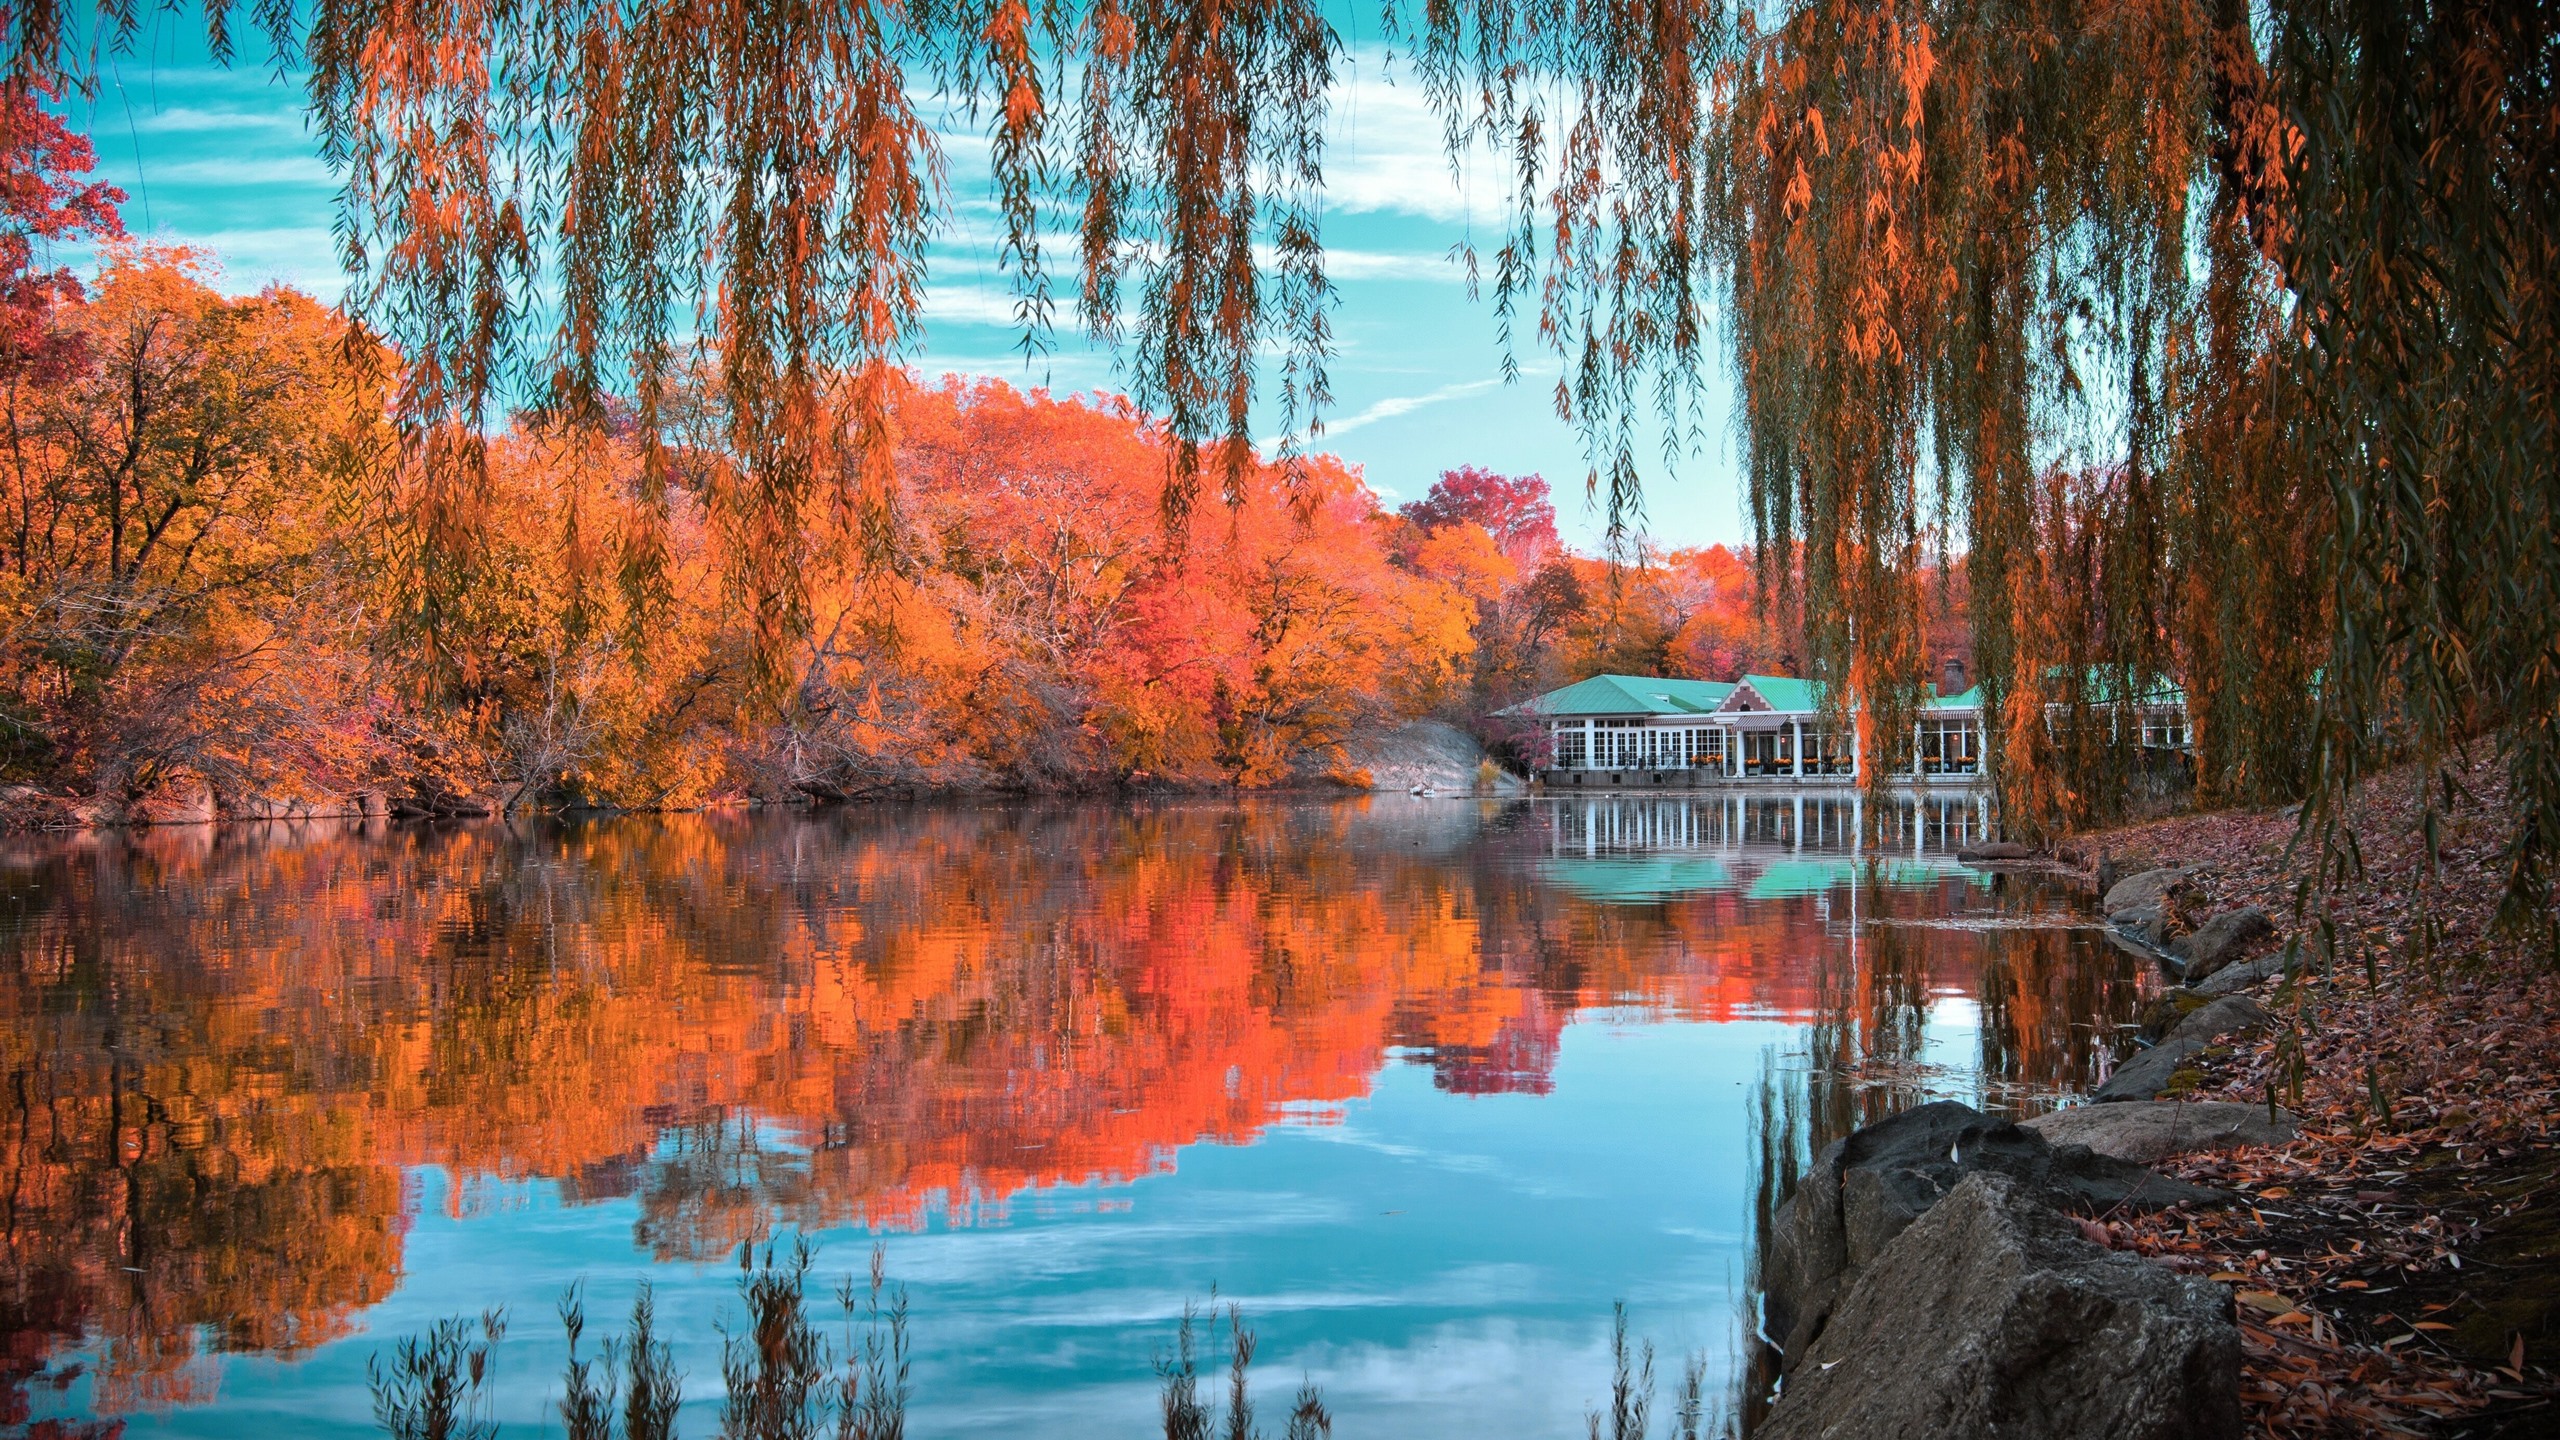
1767 729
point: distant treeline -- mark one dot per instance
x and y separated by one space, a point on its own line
223 587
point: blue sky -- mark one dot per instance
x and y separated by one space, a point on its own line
221 159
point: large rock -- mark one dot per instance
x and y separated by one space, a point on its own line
2147 1132
2149 1073
2152 889
1992 1317
1866 1187
2112 868
2147 926
1991 851
2232 979
2220 940
1427 753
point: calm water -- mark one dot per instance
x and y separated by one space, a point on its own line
1424 1085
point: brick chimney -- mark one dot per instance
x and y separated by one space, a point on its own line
1951 677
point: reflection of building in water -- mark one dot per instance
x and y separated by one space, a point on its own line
1650 730
1918 826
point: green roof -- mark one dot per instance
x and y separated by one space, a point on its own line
1661 695
1785 692
1630 695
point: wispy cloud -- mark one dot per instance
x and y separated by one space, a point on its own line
1399 405
268 171
1390 408
283 121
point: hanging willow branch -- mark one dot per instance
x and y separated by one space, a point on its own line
546 202
2215 339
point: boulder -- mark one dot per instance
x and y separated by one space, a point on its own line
1866 1187
2147 1132
2152 889
1996 850
2219 941
2149 1073
2163 1012
1993 1317
372 804
1427 754
2232 979
2112 868
2146 925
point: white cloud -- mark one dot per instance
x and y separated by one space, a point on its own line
261 170
1384 154
975 305
1398 405
284 120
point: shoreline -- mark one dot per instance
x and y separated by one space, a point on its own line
2424 1072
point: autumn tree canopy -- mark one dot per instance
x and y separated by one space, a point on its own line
2217 337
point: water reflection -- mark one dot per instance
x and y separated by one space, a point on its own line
242 1067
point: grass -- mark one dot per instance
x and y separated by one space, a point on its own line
784 1378
437 1384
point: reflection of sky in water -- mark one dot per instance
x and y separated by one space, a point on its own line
1441 1265
1494 1077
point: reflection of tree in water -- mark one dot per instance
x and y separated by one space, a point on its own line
2049 1000
222 1054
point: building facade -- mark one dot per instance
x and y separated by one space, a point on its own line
1645 730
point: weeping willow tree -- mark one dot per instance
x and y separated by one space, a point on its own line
1991 286
2220 339
2215 337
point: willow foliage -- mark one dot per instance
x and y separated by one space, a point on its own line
2217 337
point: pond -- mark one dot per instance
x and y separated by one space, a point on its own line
1423 1086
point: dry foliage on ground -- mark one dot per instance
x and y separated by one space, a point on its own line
2396 1267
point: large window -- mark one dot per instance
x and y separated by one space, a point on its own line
2165 730
1570 753
1829 752
1768 752
1950 747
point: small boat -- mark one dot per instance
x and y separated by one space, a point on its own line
1425 791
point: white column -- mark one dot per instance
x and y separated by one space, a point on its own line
1799 835
1796 753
